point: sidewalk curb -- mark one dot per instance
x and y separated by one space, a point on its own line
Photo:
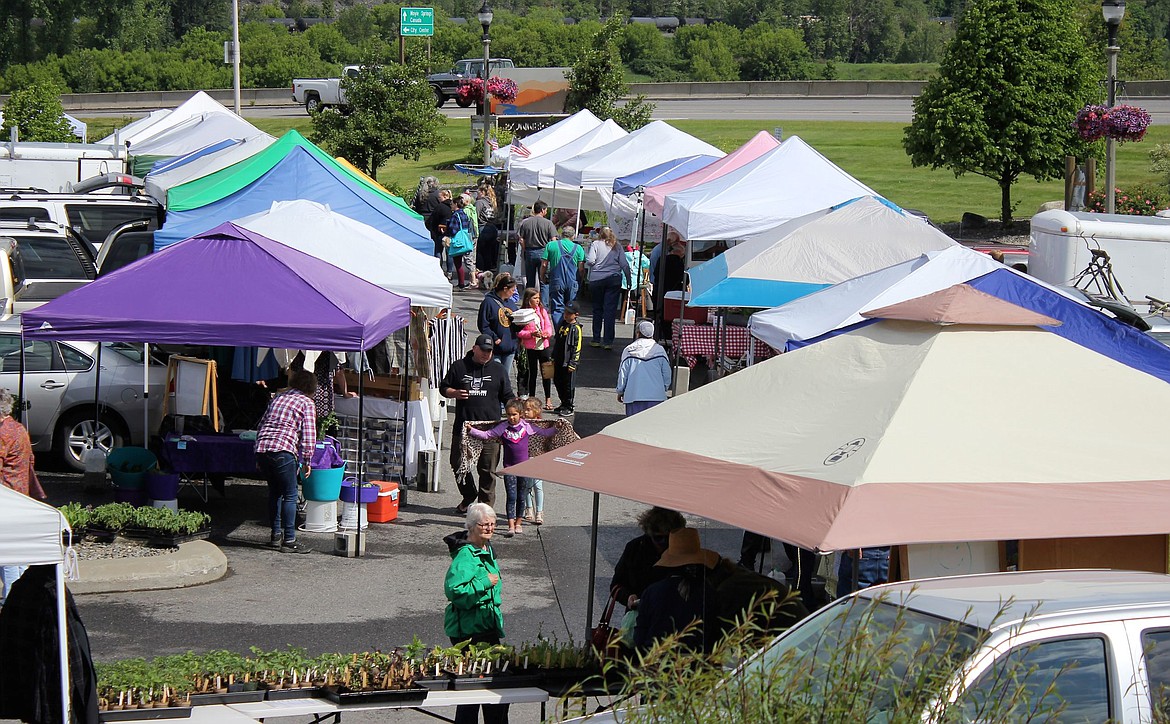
192 564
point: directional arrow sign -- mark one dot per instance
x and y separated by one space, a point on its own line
417 22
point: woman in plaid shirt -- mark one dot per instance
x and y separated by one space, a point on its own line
285 441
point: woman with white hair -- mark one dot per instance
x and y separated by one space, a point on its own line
472 587
16 472
644 372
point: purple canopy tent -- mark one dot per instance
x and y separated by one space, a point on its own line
231 287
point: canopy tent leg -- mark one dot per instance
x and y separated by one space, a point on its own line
20 384
592 569
640 236
145 394
62 642
405 417
361 459
97 405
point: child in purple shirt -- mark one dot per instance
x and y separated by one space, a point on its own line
513 432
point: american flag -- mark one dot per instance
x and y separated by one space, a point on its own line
519 149
493 144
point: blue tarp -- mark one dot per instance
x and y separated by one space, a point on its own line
299 175
660 174
168 164
1080 324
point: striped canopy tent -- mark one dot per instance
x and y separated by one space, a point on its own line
879 436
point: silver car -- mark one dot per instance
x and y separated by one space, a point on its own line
59 389
1094 644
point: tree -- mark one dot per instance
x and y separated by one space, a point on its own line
391 112
774 54
596 81
36 111
1005 96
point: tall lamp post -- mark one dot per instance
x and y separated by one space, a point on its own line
485 20
1113 11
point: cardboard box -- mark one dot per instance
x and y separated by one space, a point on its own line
386 386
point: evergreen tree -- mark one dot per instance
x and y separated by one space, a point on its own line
1007 91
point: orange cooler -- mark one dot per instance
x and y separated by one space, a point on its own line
385 509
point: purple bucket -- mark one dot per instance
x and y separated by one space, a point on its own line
368 494
162 486
134 496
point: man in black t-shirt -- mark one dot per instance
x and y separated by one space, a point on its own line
480 388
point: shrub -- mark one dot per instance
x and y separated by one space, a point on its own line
1142 200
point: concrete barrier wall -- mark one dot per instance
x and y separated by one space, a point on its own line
82 102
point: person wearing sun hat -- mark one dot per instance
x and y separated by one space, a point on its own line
686 594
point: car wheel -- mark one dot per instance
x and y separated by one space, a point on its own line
75 432
440 99
463 103
312 104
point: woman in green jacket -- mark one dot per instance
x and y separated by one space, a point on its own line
472 588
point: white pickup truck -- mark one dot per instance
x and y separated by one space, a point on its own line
317 93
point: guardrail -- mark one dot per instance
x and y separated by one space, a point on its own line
249 98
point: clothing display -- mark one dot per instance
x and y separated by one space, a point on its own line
447 341
537 444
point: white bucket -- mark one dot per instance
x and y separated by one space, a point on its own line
349 516
171 504
320 516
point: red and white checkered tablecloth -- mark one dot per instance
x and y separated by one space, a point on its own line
699 340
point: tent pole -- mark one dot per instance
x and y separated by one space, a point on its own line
405 402
592 568
145 394
357 491
62 642
97 409
640 231
20 385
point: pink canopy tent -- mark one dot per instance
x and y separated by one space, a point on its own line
757 146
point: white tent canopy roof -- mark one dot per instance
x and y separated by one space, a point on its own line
193 107
555 136
789 181
887 447
197 132
841 305
157 184
590 175
531 178
30 531
354 247
135 127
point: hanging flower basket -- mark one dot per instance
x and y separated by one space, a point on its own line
1127 123
471 91
1121 123
1090 123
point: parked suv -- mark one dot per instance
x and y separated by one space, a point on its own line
59 382
91 216
40 261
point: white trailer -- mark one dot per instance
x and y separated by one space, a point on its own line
55 167
1061 246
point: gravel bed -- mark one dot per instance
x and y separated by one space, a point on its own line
88 550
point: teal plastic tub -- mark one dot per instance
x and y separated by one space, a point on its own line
128 466
324 484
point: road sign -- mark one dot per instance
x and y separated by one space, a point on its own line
417 22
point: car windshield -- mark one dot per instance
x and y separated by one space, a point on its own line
884 648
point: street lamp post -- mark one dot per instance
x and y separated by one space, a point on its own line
1113 11
485 20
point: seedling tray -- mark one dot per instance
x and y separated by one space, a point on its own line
161 712
407 696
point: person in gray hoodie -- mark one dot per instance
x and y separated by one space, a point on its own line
644 372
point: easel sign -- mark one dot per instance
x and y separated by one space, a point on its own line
191 388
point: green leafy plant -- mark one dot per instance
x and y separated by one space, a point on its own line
77 514
112 516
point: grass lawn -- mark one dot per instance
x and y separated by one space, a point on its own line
872 152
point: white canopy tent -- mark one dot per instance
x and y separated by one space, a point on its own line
193 107
133 128
157 184
531 179
808 253
587 179
555 136
31 535
841 305
195 133
354 247
790 181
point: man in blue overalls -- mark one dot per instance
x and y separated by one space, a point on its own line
563 261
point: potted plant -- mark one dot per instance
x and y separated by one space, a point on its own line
109 520
373 677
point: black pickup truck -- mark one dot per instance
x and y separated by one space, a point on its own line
444 85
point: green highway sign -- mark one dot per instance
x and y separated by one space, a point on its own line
417 22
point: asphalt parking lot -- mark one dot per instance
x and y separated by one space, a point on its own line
321 602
